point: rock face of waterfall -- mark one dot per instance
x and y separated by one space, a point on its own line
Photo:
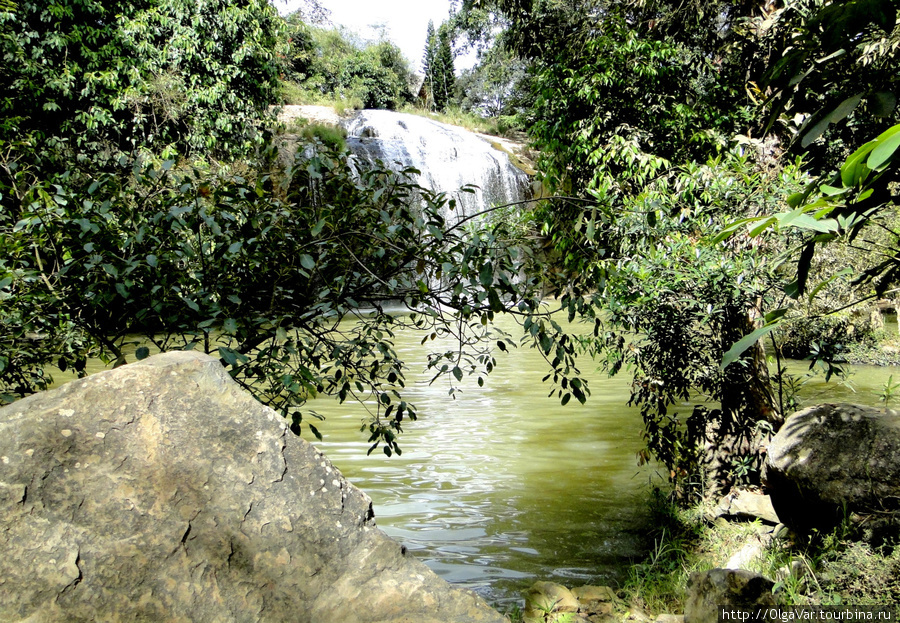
449 157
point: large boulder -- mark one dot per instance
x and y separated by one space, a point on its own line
161 492
835 458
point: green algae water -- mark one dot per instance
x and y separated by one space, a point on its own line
502 486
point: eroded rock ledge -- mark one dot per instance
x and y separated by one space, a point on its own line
161 492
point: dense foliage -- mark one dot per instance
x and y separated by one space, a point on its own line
279 264
141 210
495 87
262 269
88 78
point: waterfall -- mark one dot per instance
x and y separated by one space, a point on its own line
449 157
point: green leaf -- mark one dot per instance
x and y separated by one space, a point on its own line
831 191
457 373
796 199
853 169
805 221
745 343
142 353
732 227
763 226
152 261
486 275
228 355
307 262
815 132
886 144
845 108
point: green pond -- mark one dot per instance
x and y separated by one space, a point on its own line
502 486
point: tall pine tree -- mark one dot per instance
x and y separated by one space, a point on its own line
437 64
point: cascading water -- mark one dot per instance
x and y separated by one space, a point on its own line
448 157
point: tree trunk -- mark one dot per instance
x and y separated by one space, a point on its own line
731 441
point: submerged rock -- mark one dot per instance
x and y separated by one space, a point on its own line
833 459
160 491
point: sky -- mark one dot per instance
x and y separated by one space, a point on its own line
406 21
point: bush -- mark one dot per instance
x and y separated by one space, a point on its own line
834 333
333 137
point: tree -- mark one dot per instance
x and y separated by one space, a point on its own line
833 87
255 259
494 87
331 63
830 77
437 64
260 268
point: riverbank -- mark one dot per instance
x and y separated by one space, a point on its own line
818 569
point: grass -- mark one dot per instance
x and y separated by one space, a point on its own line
828 569
334 137
505 126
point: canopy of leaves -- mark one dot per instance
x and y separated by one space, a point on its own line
496 86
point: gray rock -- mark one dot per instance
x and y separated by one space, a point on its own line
830 459
750 555
744 504
161 492
708 591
